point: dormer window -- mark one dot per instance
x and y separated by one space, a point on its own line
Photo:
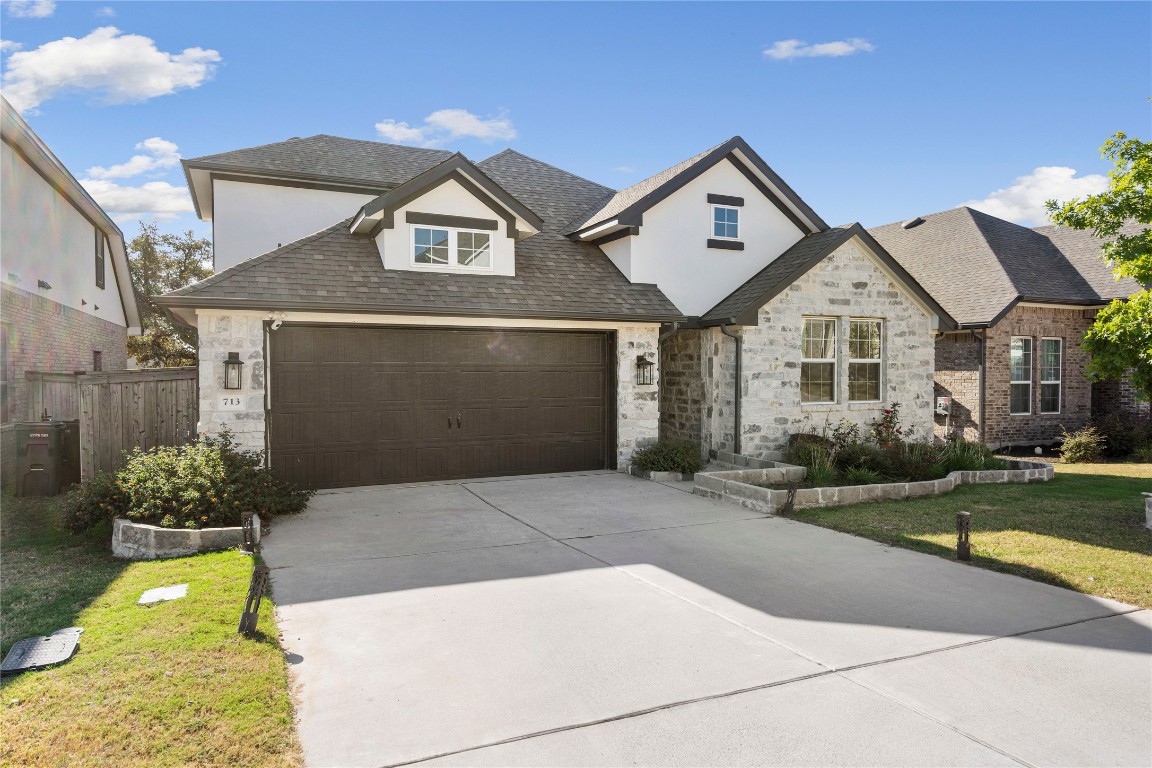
446 247
725 222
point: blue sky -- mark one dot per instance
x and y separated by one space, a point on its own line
873 112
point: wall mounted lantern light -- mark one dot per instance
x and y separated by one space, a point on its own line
232 371
644 370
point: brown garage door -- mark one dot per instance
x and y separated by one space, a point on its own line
368 405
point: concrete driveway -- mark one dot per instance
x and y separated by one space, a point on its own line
599 619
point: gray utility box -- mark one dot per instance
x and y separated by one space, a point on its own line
47 457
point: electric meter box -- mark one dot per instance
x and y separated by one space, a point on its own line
943 406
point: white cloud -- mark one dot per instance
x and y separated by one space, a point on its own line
106 11
7 46
624 169
161 154
157 200
31 9
122 68
1023 202
783 50
444 125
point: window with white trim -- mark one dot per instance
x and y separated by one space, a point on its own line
725 222
818 361
446 247
1020 397
865 347
1051 364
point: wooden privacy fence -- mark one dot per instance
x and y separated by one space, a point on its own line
119 410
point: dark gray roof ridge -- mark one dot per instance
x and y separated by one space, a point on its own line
510 151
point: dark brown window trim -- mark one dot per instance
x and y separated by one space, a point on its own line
735 202
443 220
726 245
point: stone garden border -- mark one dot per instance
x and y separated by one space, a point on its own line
136 541
733 460
738 486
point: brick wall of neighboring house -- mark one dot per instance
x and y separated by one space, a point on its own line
958 376
682 386
42 335
848 284
1118 397
1003 428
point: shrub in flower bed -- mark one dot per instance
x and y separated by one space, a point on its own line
207 484
884 456
681 456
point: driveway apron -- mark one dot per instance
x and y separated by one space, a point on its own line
599 619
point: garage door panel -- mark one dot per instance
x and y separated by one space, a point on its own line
367 405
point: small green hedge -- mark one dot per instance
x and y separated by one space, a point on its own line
207 484
681 456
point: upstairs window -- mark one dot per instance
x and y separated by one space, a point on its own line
818 361
864 350
1020 354
99 259
438 246
1051 363
725 222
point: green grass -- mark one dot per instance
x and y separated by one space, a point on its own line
172 684
1083 530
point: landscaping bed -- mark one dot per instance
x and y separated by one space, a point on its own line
170 684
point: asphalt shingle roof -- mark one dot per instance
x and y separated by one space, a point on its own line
778 275
1082 249
976 265
612 202
555 277
370 162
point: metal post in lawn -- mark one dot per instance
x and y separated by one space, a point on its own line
252 606
963 546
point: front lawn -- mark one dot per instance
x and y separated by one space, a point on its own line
1083 530
171 684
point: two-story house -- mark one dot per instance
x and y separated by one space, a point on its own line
401 314
66 301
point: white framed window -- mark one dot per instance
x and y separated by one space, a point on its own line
725 222
447 247
1020 355
1051 365
818 360
865 352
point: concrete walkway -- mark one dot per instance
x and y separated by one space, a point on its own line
599 619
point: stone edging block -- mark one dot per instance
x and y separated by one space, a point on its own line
745 486
136 541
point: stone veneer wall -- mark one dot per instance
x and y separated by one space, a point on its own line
219 335
44 335
958 377
637 407
638 414
1002 428
682 386
848 284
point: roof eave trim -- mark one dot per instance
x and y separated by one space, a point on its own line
272 305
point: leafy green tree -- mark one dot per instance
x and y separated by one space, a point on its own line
1120 341
160 263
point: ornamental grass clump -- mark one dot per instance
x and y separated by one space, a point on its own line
1084 446
207 484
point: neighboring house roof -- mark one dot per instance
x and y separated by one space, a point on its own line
555 277
20 136
979 267
1082 249
353 160
628 205
742 306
